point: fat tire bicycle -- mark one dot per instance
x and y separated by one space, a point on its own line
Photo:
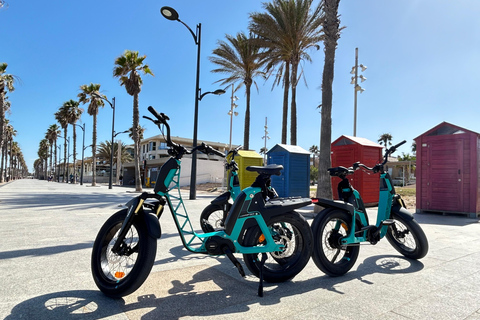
343 225
275 240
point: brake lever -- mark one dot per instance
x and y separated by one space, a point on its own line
148 118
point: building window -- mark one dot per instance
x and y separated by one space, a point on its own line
163 146
152 146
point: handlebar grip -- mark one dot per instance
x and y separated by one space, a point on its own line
160 117
398 145
154 112
218 153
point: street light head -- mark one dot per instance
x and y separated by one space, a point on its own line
353 80
353 70
169 13
219 92
363 67
358 88
362 78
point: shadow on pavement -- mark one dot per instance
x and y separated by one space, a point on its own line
196 291
45 251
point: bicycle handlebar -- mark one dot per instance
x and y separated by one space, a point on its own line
179 150
376 168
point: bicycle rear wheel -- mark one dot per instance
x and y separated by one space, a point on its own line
291 230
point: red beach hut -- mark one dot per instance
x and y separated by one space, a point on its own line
347 150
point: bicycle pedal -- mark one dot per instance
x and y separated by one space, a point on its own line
388 222
207 226
234 260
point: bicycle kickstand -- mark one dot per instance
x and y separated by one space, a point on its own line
262 264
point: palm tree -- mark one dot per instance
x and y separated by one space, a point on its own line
6 84
239 58
9 132
287 31
105 148
62 117
90 94
127 68
52 135
314 150
331 29
14 151
385 140
74 113
43 155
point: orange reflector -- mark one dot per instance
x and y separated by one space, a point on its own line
119 274
261 238
345 226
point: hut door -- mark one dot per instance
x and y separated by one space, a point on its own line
445 172
278 182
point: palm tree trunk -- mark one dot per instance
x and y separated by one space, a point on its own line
51 158
332 33
94 151
136 140
293 118
286 87
2 162
55 162
246 133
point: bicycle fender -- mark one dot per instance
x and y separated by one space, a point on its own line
153 225
221 199
337 204
402 212
151 220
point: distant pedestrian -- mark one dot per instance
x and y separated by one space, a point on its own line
121 179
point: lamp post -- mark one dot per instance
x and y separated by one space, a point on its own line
57 168
112 105
83 151
231 113
118 155
171 14
266 137
356 88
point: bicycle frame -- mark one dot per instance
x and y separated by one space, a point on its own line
359 213
185 228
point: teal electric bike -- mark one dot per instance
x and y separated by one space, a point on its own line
215 214
343 225
276 242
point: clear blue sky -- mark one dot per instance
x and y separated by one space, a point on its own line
422 58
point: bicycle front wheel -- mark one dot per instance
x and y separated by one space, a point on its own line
290 230
329 254
119 274
407 237
212 216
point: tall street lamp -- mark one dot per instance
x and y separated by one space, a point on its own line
112 105
231 113
357 88
171 14
118 153
83 151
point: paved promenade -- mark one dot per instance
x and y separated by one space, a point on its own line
47 231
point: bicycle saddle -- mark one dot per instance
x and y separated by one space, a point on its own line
271 169
340 171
